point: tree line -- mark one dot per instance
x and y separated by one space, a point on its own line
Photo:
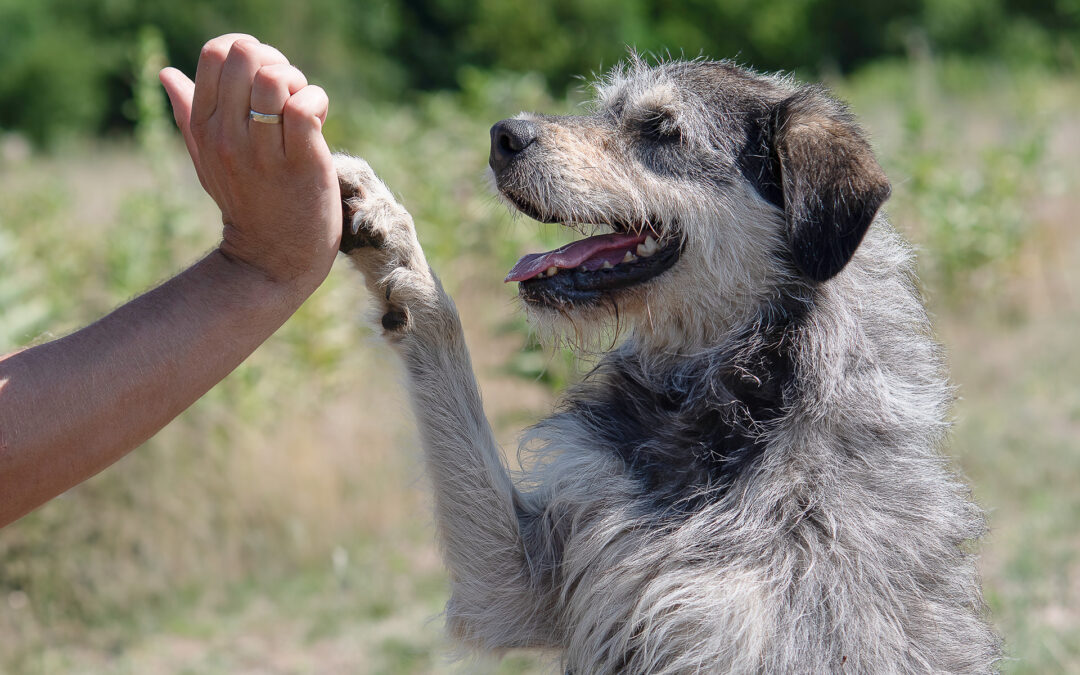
65 65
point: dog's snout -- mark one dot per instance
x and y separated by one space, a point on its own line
508 139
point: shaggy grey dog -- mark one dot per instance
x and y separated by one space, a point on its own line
751 480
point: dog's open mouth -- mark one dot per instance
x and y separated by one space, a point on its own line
586 269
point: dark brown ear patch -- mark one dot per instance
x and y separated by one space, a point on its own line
832 185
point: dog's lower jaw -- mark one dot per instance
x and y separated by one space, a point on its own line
691 307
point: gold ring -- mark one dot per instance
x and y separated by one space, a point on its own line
264 118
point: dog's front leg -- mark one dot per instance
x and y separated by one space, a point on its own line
496 601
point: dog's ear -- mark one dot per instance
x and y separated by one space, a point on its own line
831 184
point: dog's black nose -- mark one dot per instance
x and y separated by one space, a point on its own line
508 138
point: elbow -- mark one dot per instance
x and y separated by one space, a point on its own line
493 619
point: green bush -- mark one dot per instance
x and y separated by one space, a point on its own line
962 191
65 61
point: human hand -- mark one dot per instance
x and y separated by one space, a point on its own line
274 183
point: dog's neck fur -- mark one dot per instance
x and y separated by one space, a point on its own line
715 407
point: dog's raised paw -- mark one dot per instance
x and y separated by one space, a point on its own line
379 236
364 201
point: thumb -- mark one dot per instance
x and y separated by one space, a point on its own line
180 90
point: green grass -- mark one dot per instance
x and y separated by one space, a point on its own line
280 525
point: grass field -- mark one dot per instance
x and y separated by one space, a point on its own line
281 525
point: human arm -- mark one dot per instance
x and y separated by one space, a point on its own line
71 407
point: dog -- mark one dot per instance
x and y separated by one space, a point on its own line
750 479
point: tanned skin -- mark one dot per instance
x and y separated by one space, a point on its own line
72 407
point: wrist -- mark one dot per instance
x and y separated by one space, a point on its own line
251 287
291 287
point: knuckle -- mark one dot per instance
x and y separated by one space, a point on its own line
275 53
267 78
220 46
199 127
296 107
310 96
200 130
279 78
213 50
318 95
295 75
228 39
242 50
255 52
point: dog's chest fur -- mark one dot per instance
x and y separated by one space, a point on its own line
677 439
686 428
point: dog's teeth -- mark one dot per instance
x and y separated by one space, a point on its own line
629 257
606 265
552 271
648 247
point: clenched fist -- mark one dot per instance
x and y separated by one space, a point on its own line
273 180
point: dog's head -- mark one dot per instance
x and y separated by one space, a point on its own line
716 189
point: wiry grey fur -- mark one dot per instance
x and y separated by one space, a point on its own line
751 481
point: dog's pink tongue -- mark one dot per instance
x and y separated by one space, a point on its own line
604 247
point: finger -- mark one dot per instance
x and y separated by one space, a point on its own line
180 90
273 86
304 114
237 75
208 73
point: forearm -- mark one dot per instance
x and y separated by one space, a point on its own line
472 486
476 504
72 407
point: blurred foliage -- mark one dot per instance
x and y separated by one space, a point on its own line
973 216
963 191
65 61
